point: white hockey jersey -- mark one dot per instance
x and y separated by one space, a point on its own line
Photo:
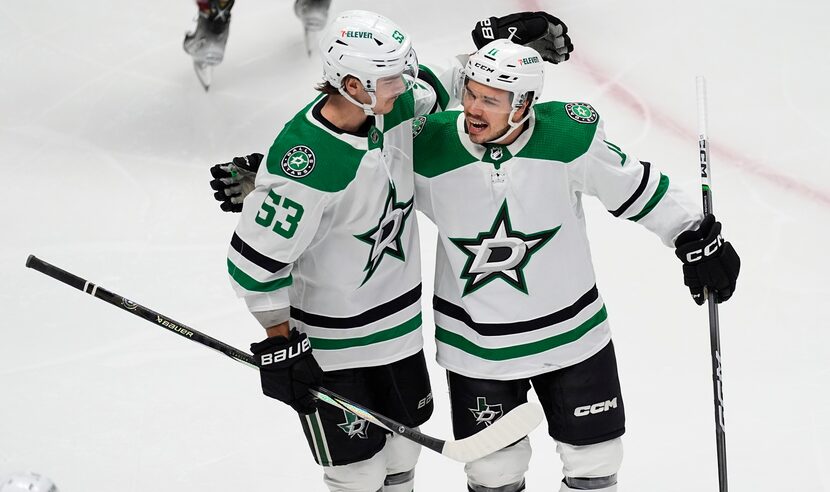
330 231
515 291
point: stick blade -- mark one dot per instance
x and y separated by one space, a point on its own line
513 426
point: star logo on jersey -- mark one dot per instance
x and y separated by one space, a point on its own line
298 162
354 426
418 125
581 112
385 237
485 413
500 253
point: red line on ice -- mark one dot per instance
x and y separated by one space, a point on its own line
734 157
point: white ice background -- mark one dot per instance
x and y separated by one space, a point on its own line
105 143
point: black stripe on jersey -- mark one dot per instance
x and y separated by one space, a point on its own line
255 256
375 314
637 193
495 329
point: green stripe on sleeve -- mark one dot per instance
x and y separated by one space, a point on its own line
251 284
381 336
655 198
524 350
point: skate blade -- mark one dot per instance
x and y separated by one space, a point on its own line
204 72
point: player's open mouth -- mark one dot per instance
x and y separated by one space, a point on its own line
475 126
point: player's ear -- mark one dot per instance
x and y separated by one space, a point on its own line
353 86
523 111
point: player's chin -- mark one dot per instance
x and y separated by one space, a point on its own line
385 106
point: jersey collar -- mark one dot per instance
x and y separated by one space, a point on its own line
478 150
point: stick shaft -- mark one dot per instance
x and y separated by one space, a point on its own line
138 310
714 323
189 333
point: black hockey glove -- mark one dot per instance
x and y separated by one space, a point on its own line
708 261
538 30
287 369
232 181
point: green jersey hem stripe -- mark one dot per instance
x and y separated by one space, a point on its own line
248 283
524 350
655 199
381 336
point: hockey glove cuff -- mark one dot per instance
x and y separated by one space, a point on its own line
539 30
233 181
287 370
708 261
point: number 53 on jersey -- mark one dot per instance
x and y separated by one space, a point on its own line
285 223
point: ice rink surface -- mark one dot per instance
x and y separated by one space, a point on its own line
105 143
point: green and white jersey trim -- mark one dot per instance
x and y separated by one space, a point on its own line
464 345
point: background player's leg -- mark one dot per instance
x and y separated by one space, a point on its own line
313 14
206 44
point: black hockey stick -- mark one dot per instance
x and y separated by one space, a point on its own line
508 429
714 324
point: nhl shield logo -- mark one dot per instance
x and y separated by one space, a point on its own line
581 112
496 153
298 162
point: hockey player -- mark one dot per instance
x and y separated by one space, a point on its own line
206 44
327 242
516 302
328 239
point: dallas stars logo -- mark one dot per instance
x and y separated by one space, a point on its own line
298 161
581 112
484 413
501 252
385 238
354 426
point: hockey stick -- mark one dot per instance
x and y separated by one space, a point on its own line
508 429
714 325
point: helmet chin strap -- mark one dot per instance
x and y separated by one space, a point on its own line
511 126
367 108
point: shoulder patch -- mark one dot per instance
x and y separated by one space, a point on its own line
581 112
298 162
418 125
